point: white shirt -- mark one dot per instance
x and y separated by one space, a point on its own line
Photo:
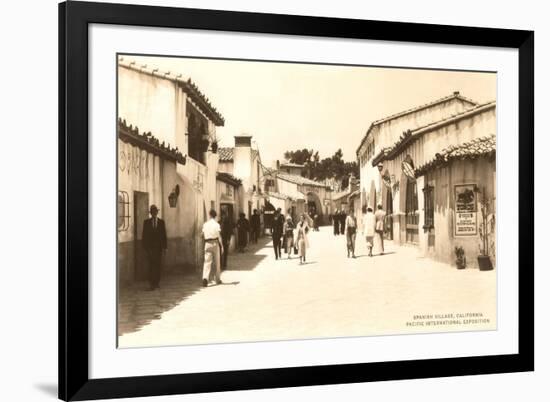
211 229
369 223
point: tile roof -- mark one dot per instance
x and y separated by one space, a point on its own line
341 194
454 95
190 88
228 178
130 134
411 135
225 154
278 195
304 181
478 147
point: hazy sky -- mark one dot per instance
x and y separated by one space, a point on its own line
289 106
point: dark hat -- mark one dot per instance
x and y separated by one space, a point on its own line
154 207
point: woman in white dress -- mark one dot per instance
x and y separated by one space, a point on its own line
302 228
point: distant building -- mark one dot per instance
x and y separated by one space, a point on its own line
430 168
292 168
230 198
296 194
165 131
244 163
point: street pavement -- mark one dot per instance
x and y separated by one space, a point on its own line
329 296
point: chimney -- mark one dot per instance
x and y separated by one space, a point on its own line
278 164
456 93
242 160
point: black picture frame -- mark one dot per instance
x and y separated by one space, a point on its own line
74 18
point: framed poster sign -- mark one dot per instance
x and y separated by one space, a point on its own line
465 210
225 200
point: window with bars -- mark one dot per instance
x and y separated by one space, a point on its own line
123 211
428 207
411 203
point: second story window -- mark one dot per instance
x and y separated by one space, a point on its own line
197 132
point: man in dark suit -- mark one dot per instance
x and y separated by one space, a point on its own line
226 232
277 232
255 226
155 244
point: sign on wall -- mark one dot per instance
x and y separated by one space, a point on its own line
465 210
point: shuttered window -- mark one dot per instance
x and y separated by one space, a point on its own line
428 207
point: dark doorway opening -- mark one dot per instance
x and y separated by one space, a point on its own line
141 212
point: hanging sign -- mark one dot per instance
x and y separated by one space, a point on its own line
465 210
408 167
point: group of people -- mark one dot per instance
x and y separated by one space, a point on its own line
372 226
287 235
247 231
338 220
291 237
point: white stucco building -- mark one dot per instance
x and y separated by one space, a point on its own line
430 168
168 112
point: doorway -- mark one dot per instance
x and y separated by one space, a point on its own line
389 214
141 212
411 212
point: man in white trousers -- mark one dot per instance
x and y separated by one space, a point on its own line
213 248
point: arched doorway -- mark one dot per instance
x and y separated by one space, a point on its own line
314 206
389 214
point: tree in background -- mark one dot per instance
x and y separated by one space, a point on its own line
333 167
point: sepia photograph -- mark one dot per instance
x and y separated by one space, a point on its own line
276 201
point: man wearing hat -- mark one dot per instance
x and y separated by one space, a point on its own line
277 232
154 242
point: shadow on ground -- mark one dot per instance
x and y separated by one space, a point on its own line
250 259
138 306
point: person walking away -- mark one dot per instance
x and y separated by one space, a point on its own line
155 245
243 229
369 223
301 238
343 222
288 230
255 226
380 215
211 232
226 232
336 222
277 232
316 222
351 233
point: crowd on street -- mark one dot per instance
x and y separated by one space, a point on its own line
288 237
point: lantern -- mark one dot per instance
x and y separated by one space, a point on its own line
173 197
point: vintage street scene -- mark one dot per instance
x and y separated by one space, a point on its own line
263 201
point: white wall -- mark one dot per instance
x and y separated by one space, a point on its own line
30 305
387 134
144 100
